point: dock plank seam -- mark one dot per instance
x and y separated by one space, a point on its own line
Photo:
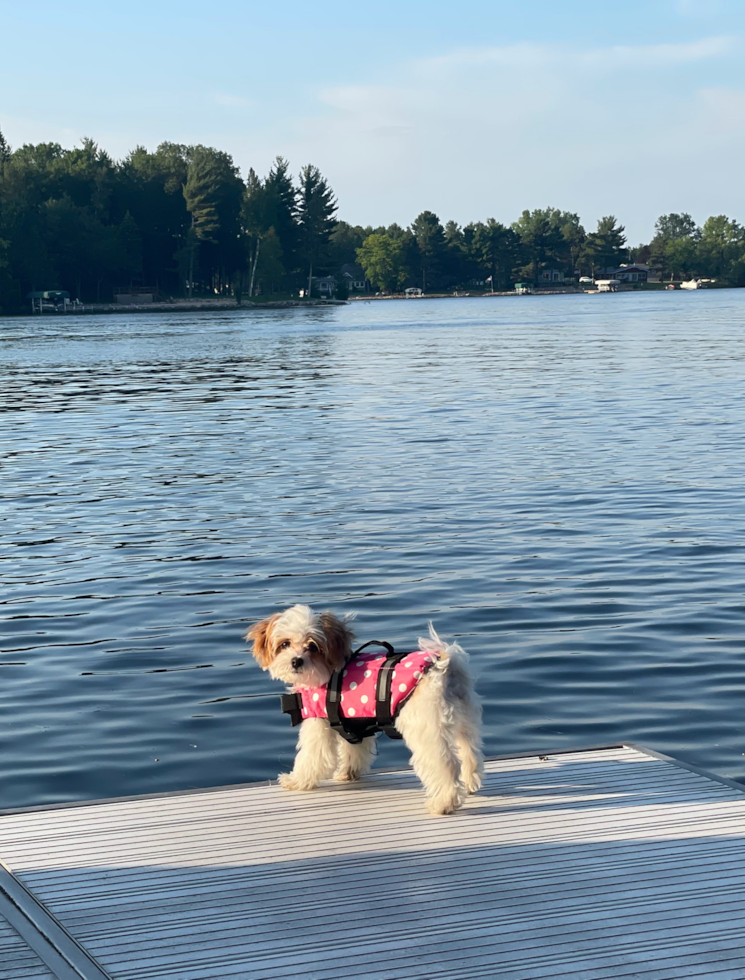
43 934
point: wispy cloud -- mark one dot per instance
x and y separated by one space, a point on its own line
490 129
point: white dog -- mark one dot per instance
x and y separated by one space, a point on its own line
343 699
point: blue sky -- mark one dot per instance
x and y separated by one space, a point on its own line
633 109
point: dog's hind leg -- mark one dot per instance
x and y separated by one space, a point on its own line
353 760
468 747
433 752
316 756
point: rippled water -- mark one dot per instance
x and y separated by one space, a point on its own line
557 481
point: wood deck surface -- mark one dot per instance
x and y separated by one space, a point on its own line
589 865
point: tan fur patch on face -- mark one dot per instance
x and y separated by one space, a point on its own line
261 635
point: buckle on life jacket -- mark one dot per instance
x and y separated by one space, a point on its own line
292 705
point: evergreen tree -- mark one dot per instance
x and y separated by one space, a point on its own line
430 241
201 195
4 149
541 235
281 211
254 219
605 247
316 208
498 248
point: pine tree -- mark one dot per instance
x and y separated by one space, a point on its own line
201 195
430 240
254 221
606 246
281 210
316 208
4 149
498 248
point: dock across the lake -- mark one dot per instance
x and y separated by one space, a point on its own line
610 862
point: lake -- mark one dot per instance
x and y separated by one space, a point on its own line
557 481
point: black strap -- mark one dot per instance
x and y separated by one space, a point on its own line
383 714
333 701
377 643
292 705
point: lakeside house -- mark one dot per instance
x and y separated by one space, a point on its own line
634 273
326 285
356 280
550 275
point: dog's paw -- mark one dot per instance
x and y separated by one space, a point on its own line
288 780
346 776
473 783
440 806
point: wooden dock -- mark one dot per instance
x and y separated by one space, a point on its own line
587 865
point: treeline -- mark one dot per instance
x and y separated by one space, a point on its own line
182 221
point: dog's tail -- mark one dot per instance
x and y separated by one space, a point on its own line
445 652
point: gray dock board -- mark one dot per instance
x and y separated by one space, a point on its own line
17 960
609 863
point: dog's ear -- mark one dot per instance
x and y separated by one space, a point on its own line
339 638
261 634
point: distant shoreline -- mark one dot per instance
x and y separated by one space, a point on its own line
223 305
182 306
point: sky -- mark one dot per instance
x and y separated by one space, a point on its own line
633 109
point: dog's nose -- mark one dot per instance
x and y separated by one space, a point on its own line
297 663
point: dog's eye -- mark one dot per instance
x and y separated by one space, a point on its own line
312 647
283 645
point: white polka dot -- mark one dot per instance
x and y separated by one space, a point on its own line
351 711
379 658
418 674
360 663
341 698
368 673
305 711
402 687
394 673
363 699
407 664
353 686
315 697
344 673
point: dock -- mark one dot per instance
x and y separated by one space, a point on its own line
611 862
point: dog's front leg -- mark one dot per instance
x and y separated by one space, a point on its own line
354 760
316 756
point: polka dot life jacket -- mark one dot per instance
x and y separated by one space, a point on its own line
364 697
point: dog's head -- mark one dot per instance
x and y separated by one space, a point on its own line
301 647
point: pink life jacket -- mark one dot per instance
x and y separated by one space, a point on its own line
365 696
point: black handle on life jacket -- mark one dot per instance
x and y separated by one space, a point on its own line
377 643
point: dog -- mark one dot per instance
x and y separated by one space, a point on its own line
438 714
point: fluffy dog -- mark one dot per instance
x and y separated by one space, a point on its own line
439 721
